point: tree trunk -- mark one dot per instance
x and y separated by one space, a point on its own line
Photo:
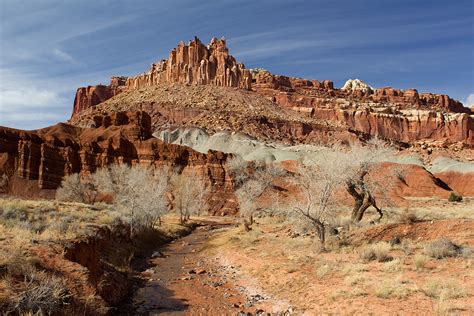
321 231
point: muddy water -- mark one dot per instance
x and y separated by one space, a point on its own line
181 281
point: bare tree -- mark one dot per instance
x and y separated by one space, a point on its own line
250 181
139 193
317 179
359 162
190 195
78 189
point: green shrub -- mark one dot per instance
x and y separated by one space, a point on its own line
453 197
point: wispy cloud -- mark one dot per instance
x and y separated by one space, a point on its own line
63 55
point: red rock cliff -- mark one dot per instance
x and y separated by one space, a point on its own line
196 63
92 95
36 161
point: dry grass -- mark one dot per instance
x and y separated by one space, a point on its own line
34 291
447 289
393 289
379 251
435 209
292 268
420 261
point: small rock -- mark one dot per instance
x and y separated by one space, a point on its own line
200 271
192 271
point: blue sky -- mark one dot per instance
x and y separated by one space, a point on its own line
48 48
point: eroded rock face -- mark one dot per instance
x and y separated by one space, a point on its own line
381 112
87 97
36 161
196 63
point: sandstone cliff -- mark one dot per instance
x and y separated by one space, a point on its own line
387 112
36 161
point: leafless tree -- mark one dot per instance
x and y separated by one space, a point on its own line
139 193
190 195
250 180
78 188
317 179
359 162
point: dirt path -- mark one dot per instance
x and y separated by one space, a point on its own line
181 281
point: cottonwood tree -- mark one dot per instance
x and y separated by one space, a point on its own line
317 179
139 193
249 182
76 188
190 195
359 162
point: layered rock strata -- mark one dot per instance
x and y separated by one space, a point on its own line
36 161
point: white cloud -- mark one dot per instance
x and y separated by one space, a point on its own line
29 102
64 56
26 97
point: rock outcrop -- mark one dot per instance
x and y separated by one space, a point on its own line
357 105
87 97
194 64
357 85
36 161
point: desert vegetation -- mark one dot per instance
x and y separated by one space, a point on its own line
119 207
319 220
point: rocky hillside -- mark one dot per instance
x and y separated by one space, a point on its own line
189 88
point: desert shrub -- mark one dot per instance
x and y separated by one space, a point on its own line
37 292
15 210
393 266
448 289
323 270
453 197
388 289
75 188
442 248
408 216
354 279
379 251
420 261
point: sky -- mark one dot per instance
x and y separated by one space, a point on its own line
48 48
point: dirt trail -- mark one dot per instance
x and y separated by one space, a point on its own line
181 281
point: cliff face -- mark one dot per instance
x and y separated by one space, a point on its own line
36 161
405 116
87 97
401 115
194 64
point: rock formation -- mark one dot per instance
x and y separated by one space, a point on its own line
87 97
401 115
36 161
357 85
194 64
